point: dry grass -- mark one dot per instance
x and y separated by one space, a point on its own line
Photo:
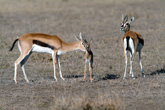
100 21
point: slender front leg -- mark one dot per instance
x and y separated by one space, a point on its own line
59 67
91 71
54 64
85 71
85 61
141 64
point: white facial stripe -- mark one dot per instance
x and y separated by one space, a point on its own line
125 24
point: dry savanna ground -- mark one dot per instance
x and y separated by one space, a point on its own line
99 21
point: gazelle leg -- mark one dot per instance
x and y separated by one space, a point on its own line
23 69
85 61
91 71
141 63
54 64
125 64
125 54
59 66
22 56
131 44
131 71
15 72
85 70
22 66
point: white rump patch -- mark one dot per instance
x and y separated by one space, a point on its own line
125 43
131 44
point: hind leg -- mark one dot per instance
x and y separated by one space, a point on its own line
22 59
22 66
131 44
131 71
125 54
141 64
16 63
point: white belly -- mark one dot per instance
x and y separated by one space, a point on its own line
60 52
39 49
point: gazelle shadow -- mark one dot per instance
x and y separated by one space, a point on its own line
106 77
73 76
110 76
159 71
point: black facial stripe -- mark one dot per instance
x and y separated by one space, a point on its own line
43 44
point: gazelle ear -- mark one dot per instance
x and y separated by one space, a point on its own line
122 17
132 19
76 37
80 35
126 18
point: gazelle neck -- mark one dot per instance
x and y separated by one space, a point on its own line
128 28
66 47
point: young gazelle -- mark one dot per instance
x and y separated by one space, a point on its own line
132 42
43 43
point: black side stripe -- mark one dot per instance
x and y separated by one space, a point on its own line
42 44
141 41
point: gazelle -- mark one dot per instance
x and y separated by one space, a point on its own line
52 44
132 42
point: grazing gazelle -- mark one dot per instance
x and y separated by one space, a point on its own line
43 43
132 42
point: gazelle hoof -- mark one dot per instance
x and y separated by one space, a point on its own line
27 81
92 80
15 81
56 79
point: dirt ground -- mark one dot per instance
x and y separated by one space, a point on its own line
99 21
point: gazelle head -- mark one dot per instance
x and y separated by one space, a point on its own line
88 54
84 45
125 24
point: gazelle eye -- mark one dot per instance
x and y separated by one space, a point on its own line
82 44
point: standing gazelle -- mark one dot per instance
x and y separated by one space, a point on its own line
43 43
133 42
